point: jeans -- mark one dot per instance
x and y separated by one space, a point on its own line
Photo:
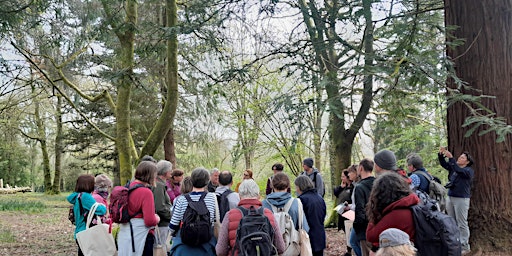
458 208
354 243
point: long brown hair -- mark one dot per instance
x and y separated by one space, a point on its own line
388 188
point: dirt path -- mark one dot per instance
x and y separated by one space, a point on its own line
51 233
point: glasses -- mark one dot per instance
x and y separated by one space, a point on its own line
246 175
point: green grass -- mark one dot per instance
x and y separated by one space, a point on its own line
32 202
6 236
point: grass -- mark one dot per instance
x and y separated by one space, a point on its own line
32 202
6 235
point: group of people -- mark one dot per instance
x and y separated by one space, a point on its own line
161 200
382 203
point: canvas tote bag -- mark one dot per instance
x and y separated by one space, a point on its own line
305 244
159 248
96 241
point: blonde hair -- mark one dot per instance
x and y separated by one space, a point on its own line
399 250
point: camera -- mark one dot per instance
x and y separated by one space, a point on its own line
448 185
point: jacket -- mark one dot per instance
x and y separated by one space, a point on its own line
361 196
279 199
318 181
396 215
315 211
460 178
87 203
162 202
227 233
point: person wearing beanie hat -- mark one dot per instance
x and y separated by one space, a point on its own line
385 160
395 242
102 186
314 175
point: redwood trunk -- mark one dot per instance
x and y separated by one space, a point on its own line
484 62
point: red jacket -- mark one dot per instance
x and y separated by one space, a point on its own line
233 218
396 215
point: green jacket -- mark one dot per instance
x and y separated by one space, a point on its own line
162 202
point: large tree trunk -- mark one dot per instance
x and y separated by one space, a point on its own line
41 134
484 62
58 146
166 119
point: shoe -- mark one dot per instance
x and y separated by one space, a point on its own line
465 251
347 254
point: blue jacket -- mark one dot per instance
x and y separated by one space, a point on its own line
279 199
87 202
424 183
461 178
315 211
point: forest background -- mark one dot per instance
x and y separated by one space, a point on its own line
92 86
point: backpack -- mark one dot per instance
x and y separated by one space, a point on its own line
118 208
223 202
291 236
314 182
254 235
435 232
197 227
71 213
436 190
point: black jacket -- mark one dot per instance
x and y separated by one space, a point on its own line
361 197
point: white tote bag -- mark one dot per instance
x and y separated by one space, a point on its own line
96 241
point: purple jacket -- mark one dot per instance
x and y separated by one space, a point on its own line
173 192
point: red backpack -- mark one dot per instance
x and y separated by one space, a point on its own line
119 203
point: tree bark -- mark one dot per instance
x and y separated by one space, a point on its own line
41 134
58 146
166 119
484 62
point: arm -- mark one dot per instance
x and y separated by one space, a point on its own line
222 247
466 171
268 190
160 194
337 190
415 180
177 214
442 161
319 184
148 207
360 215
88 201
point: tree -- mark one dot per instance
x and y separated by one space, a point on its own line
482 66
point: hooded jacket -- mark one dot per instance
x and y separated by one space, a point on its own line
87 202
396 215
315 211
279 199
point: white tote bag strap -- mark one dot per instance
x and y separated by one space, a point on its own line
90 215
301 213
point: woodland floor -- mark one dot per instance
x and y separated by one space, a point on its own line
50 233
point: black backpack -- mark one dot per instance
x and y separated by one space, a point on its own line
223 202
254 235
435 232
197 227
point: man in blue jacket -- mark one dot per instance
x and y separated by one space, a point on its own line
459 191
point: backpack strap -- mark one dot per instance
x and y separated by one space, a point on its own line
81 208
424 174
288 204
314 178
300 209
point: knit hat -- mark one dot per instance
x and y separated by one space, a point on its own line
393 237
102 182
308 162
386 160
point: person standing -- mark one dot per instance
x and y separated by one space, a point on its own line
385 160
249 197
390 207
199 178
162 201
361 196
315 211
173 184
82 198
415 166
247 175
226 198
141 205
276 168
314 175
460 176
214 180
